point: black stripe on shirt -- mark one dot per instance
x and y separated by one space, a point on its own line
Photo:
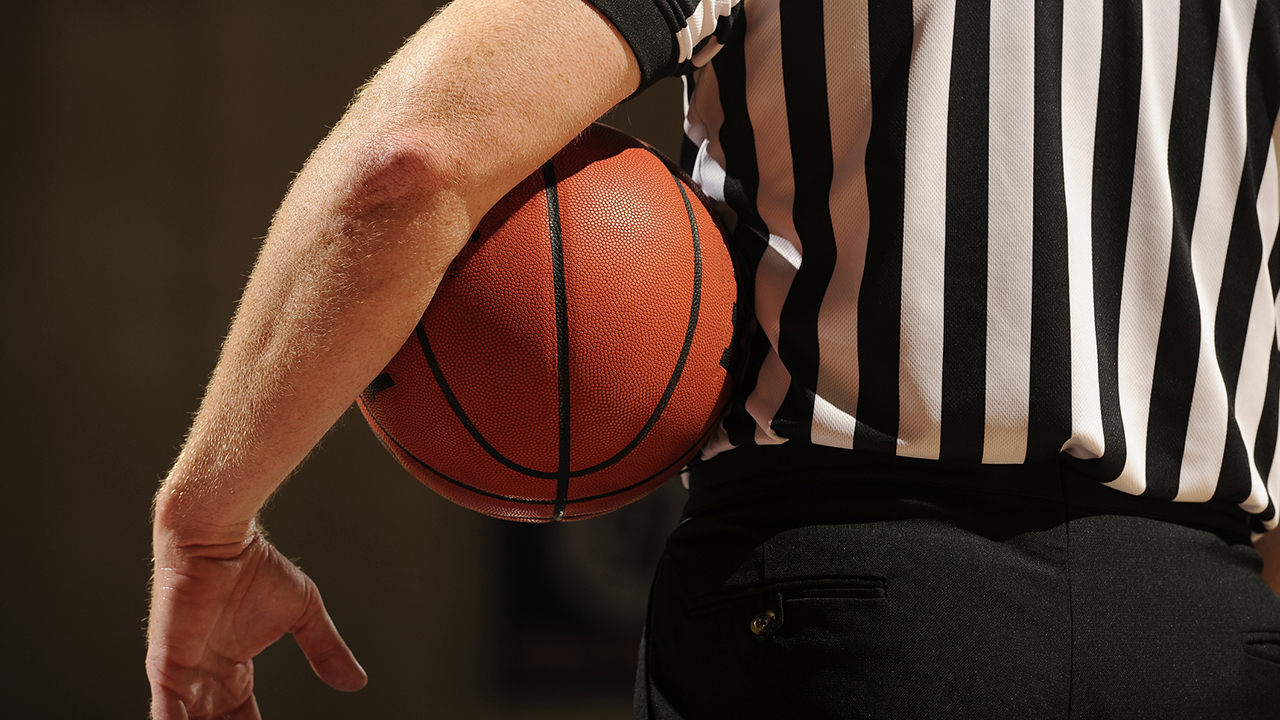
1240 276
739 426
1264 87
1049 403
1178 348
804 76
1241 271
1264 445
1115 146
1262 90
964 309
750 236
1273 266
880 297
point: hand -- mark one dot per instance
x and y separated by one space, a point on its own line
213 608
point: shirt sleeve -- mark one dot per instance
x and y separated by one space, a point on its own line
670 37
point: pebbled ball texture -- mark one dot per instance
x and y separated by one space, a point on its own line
576 354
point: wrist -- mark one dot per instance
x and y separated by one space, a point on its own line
183 518
175 550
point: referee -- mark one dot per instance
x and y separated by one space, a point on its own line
1010 407
1006 426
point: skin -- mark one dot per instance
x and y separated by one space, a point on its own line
476 100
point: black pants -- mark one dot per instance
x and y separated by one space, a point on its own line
905 592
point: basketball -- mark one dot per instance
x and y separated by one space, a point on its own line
577 353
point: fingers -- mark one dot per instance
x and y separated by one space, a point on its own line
165 704
330 657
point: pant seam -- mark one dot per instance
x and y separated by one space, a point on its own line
1071 605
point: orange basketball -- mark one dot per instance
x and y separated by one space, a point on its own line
576 354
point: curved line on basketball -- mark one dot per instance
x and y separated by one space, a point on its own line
386 434
664 472
694 308
462 416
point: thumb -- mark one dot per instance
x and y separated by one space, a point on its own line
330 657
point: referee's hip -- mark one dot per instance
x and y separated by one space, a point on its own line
819 594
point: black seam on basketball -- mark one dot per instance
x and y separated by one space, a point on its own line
386 435
462 416
694 309
664 472
562 334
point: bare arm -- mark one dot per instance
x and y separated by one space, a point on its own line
474 102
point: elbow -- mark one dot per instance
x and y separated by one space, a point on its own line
396 176
395 190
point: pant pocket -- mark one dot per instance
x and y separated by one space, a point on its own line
1263 644
806 647
1255 606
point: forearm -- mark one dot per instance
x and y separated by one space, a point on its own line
324 310
461 114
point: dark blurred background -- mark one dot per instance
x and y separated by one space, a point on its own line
145 147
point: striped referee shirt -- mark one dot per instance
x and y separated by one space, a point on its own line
997 232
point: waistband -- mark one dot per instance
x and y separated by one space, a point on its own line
748 474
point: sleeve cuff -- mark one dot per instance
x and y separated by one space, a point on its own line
648 31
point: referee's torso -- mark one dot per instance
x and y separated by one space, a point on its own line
1000 232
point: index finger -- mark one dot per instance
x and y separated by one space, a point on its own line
325 649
